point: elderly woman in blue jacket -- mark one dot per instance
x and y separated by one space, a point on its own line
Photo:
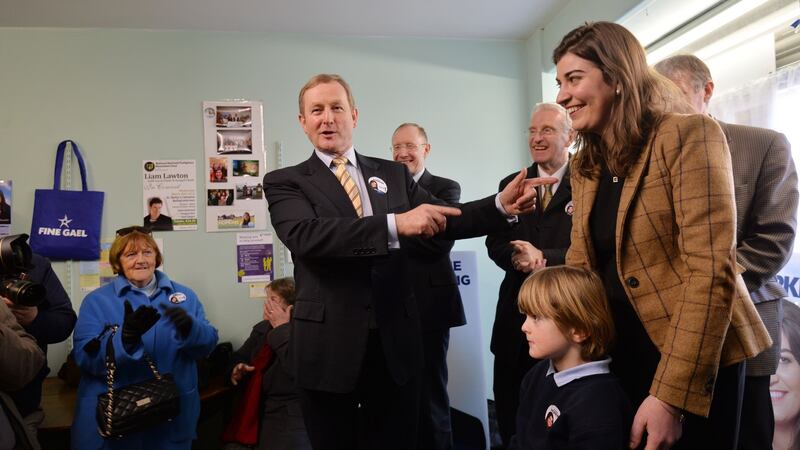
155 315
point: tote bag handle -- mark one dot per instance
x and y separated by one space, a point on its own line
62 147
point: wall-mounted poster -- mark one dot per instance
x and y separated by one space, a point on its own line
170 194
235 164
5 207
254 258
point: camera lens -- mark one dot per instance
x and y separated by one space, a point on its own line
15 254
22 292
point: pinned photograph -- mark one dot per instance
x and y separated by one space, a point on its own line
236 220
249 191
245 167
5 207
234 142
218 170
234 116
220 197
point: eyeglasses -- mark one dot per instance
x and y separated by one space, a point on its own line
408 146
544 132
128 230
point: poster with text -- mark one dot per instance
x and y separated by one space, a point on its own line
254 258
235 164
170 194
5 207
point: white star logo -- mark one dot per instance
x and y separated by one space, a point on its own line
64 222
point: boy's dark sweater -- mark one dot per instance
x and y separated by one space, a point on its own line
594 412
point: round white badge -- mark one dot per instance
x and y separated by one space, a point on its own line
551 415
178 297
570 208
377 185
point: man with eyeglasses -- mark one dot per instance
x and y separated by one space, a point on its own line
538 240
435 288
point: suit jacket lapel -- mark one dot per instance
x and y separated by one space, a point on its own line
587 187
372 168
323 178
425 180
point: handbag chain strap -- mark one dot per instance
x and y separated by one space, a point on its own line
111 369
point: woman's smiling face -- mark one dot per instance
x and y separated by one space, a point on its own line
784 386
584 93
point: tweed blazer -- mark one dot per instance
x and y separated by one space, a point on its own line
766 206
765 181
675 245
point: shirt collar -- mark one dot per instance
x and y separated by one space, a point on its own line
122 285
418 175
327 158
584 370
558 174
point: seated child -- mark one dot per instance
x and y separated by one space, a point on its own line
268 415
569 400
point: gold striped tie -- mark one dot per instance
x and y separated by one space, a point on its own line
348 184
548 195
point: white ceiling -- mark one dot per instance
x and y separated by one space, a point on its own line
460 19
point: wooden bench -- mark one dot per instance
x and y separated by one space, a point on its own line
58 403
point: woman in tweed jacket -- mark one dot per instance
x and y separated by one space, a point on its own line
654 214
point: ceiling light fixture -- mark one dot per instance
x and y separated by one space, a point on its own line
703 29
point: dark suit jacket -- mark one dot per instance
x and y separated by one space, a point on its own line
549 231
435 285
345 271
765 183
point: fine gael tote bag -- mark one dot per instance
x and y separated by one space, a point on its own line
66 224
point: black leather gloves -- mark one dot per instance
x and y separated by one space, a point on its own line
181 320
136 323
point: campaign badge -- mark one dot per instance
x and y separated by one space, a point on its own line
377 185
551 415
178 297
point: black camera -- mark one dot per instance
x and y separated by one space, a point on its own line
15 263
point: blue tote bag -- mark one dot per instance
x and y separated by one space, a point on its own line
66 224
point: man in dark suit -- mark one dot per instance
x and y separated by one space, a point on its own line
155 220
766 219
538 240
436 290
355 344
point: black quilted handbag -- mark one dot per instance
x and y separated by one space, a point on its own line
138 406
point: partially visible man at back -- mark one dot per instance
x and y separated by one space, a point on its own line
766 218
435 288
538 240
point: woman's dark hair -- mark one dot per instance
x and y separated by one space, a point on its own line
642 99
